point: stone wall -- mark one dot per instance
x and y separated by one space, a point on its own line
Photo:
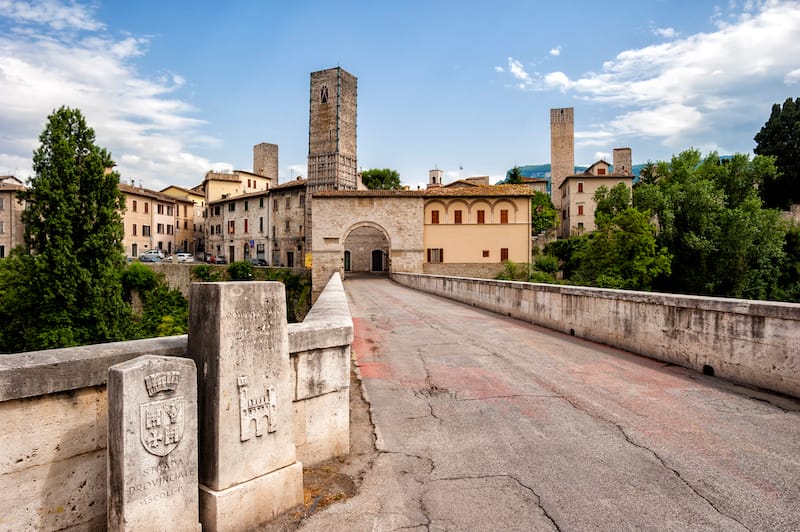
750 342
54 410
480 271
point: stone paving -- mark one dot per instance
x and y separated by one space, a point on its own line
487 423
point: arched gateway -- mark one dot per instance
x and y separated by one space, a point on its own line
366 231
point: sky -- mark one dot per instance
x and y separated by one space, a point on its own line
176 88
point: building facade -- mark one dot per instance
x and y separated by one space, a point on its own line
12 232
149 221
189 219
288 230
238 227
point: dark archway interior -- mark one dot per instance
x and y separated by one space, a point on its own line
368 248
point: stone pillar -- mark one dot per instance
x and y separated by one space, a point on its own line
238 336
152 445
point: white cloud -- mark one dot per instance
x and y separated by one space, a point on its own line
295 171
598 155
666 33
698 84
499 69
555 51
141 120
518 71
792 77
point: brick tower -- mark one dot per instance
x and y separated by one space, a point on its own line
562 149
332 163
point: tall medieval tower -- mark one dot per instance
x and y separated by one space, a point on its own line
332 163
562 150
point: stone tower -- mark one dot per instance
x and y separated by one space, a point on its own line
265 160
435 178
562 149
622 161
332 163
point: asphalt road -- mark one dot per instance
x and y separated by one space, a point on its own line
487 423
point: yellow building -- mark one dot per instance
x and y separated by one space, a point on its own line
149 221
11 229
189 219
469 226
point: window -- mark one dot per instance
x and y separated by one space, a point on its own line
133 206
261 224
231 227
601 171
274 205
273 231
194 227
248 183
160 229
160 209
580 187
580 225
503 216
2 252
211 229
580 210
133 230
481 216
246 205
145 229
288 201
169 229
231 206
246 226
485 252
2 227
457 217
186 224
287 226
219 228
184 212
260 203
503 254
302 200
146 207
435 255
170 210
216 210
434 218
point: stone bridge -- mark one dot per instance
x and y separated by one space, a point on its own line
513 419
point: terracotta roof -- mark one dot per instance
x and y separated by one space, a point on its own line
533 180
461 183
290 184
246 195
218 176
127 189
182 189
472 191
11 187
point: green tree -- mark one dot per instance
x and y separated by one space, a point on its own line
381 179
609 203
66 288
514 176
780 137
543 215
623 253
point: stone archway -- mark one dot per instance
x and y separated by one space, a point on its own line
364 244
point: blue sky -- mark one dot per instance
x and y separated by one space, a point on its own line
176 88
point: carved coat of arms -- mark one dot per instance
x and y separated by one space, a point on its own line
161 425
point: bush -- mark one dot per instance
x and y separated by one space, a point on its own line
547 263
542 277
206 273
513 272
241 270
139 277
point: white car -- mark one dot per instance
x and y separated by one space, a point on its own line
151 255
184 257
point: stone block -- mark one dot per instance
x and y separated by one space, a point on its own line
239 339
152 445
321 371
322 427
248 505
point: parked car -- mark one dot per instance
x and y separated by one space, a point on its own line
184 257
220 259
152 255
258 262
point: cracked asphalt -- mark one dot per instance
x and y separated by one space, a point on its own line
487 423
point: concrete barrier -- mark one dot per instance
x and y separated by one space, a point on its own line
53 407
749 342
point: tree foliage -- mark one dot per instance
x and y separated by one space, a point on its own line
514 176
609 203
711 220
543 215
64 288
780 138
381 179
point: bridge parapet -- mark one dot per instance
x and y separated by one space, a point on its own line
54 409
750 342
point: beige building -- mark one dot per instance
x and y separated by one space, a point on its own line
288 231
238 227
576 192
149 221
457 231
12 231
189 219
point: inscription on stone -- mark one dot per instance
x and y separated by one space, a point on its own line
258 409
152 447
